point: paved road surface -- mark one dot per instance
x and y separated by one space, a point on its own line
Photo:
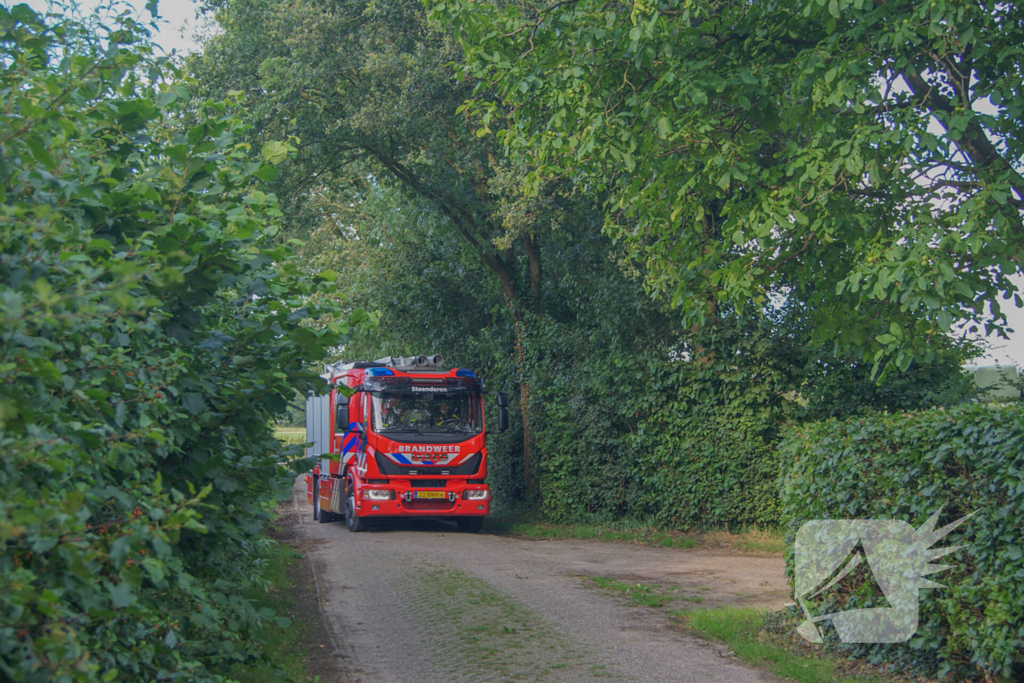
420 602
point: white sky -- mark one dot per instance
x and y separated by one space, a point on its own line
1008 352
179 27
1002 351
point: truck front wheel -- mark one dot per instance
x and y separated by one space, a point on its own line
471 525
316 498
354 522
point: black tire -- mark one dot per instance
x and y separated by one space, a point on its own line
471 525
316 499
354 522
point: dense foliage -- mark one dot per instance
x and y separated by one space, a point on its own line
370 90
621 408
148 332
863 156
686 437
155 318
634 417
683 440
907 466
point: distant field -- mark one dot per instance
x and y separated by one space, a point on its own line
291 435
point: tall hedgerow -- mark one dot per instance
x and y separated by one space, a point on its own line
906 466
149 328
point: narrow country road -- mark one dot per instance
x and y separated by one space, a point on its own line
420 602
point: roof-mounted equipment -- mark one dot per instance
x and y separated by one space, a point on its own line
411 362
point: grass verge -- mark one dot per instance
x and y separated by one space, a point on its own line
293 648
545 530
752 540
739 628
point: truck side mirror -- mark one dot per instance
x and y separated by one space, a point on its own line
340 412
502 412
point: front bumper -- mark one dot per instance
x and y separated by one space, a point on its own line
405 503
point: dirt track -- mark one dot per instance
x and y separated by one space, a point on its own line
421 602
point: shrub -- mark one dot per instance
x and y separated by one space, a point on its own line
684 444
149 330
906 466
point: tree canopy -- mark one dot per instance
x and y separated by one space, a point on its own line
370 89
427 221
864 157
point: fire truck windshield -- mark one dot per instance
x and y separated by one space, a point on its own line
427 413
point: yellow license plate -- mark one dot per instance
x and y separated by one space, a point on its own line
430 494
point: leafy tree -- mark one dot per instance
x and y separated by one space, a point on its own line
863 157
594 323
634 415
370 90
149 330
391 188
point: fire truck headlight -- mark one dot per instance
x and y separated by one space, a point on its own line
378 494
477 494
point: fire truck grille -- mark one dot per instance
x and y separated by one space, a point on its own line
428 483
392 469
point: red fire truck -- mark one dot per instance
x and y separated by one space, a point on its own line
406 440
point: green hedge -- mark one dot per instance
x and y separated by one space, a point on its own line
679 444
906 466
677 468
150 327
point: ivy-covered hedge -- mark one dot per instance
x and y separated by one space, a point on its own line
683 444
906 466
150 328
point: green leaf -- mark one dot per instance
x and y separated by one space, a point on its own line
74 501
37 146
302 336
119 551
267 172
122 595
945 319
274 152
664 127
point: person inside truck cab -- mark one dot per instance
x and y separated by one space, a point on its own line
445 414
392 414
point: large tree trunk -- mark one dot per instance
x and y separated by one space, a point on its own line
524 396
474 233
